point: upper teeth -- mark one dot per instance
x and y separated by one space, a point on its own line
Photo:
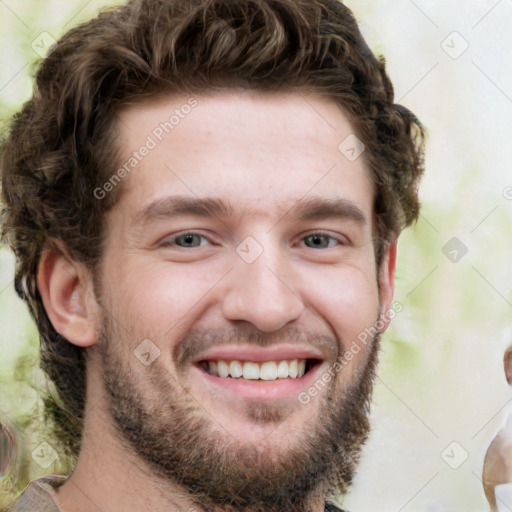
269 370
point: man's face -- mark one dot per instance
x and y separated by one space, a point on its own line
242 243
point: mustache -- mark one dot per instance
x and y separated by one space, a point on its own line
196 341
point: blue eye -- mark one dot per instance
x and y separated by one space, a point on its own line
186 240
319 241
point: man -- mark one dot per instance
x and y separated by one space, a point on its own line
204 198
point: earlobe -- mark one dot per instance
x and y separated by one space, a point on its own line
387 282
68 297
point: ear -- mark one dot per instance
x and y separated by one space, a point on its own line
387 282
68 297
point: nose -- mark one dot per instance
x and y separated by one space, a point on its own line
262 294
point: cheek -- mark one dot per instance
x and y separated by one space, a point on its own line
350 306
347 299
157 297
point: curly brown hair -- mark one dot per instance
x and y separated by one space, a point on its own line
60 147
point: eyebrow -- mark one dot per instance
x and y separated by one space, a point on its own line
180 205
312 208
320 208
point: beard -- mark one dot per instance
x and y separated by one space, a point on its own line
158 420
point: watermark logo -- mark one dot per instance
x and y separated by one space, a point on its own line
249 250
454 45
455 250
147 352
351 147
44 44
45 455
454 455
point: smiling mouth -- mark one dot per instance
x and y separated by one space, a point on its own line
261 370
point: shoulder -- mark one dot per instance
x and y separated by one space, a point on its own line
38 495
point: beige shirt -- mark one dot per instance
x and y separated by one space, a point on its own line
38 496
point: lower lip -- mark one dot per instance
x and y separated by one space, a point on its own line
262 389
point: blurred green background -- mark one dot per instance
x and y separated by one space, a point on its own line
441 380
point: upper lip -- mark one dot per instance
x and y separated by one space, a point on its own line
258 354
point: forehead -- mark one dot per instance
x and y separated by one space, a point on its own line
261 151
